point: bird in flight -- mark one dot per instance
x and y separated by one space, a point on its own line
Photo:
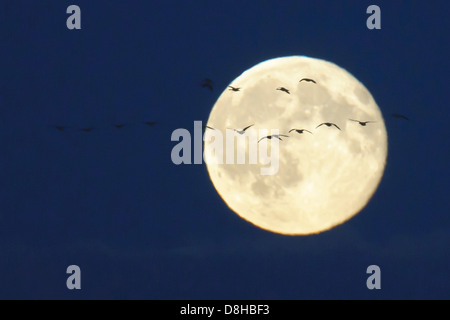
86 129
233 88
284 90
150 123
399 116
307 80
207 83
363 123
328 124
59 128
300 131
243 130
274 136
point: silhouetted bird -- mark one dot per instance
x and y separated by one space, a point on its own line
284 90
233 88
86 129
119 126
59 128
207 83
363 123
328 124
208 127
307 80
150 123
243 130
300 131
399 116
274 136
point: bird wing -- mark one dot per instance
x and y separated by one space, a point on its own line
247 127
292 130
336 126
320 125
307 79
207 85
396 115
263 138
283 89
307 131
354 120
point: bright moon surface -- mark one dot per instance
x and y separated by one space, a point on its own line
323 178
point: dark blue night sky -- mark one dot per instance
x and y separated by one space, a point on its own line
112 202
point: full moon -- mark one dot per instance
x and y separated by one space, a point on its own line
324 175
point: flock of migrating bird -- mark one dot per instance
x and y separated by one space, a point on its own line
299 131
207 83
